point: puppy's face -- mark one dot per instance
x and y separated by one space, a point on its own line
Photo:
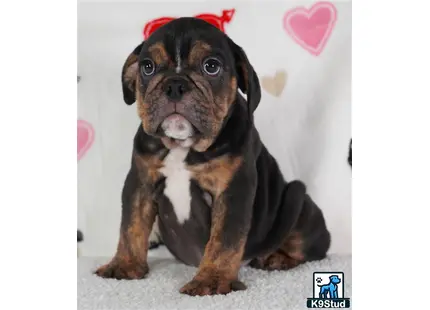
184 79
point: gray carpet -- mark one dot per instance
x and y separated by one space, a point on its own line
266 290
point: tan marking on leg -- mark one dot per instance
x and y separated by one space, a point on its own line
130 260
219 268
288 256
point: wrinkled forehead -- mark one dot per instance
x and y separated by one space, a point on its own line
185 46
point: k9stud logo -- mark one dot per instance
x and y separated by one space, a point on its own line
328 291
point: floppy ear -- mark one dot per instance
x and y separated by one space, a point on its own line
129 75
247 79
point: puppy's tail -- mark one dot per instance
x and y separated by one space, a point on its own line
292 204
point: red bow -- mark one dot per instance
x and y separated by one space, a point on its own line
217 21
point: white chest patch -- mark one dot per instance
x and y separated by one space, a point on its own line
178 182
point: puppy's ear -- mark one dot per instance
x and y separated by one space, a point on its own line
129 75
247 79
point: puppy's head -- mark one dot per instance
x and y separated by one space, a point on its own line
184 79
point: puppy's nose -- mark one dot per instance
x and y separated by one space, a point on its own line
175 88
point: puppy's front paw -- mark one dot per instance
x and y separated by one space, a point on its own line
212 286
123 270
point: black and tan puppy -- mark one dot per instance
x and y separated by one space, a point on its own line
200 168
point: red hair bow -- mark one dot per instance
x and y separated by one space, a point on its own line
217 21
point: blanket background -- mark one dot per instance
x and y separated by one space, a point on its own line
304 117
278 290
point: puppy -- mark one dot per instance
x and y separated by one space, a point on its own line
200 168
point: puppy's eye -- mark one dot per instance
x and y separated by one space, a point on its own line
148 67
212 66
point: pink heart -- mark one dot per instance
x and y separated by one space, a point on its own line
311 28
85 137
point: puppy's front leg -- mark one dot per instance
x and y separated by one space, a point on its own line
231 219
130 260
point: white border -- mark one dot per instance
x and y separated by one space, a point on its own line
390 168
39 178
390 130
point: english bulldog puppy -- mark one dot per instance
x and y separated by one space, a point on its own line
200 170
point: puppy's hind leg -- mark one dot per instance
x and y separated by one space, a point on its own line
308 240
316 237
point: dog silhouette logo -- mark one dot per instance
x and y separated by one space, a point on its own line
328 291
